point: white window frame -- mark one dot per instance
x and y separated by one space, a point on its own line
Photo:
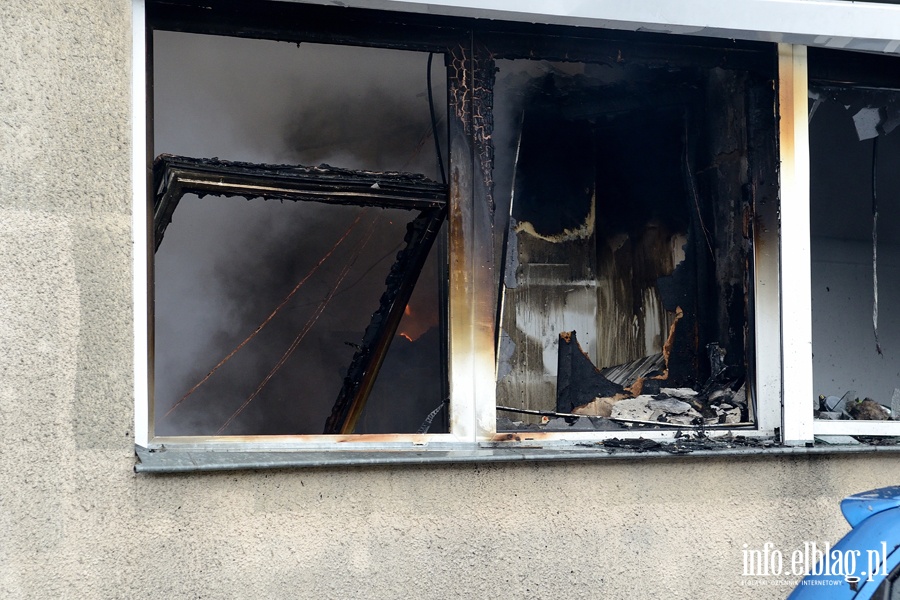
782 317
799 426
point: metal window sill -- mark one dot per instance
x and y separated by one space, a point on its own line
180 460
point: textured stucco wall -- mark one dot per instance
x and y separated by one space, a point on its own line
75 522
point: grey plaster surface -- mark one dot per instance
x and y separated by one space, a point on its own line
76 522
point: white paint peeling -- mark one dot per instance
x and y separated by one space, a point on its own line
582 232
653 324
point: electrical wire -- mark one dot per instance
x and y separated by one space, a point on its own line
875 244
270 317
437 143
306 328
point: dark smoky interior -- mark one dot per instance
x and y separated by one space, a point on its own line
261 305
627 255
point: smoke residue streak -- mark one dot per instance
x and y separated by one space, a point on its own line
227 263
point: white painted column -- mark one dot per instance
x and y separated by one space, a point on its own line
796 302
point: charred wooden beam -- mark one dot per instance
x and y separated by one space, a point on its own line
472 290
558 42
420 236
174 176
301 22
297 23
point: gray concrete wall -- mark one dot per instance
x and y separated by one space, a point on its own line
75 522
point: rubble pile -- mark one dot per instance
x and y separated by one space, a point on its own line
632 396
851 406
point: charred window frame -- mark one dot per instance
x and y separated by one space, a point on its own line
714 105
173 177
471 50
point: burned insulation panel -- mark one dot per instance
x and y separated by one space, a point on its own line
855 229
630 226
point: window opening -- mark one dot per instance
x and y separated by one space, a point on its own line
293 299
667 145
855 240
627 258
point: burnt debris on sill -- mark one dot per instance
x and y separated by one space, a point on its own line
685 444
851 406
167 459
631 396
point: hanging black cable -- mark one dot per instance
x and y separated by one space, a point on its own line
875 244
437 143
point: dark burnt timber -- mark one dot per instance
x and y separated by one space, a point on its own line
420 236
174 176
579 381
558 42
298 23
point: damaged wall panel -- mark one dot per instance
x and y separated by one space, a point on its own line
550 244
643 224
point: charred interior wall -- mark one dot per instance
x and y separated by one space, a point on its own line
76 522
630 219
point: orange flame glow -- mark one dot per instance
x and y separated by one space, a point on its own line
415 323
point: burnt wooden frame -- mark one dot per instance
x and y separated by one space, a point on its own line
175 176
470 48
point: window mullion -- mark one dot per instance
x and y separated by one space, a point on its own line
796 303
472 291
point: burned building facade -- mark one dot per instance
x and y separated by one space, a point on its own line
390 298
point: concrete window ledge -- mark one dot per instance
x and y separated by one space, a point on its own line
179 460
